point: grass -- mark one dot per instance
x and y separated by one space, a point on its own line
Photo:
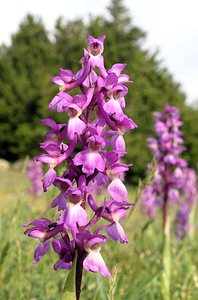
136 267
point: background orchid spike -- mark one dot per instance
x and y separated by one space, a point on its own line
34 173
97 123
173 181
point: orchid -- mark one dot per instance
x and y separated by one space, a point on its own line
96 124
173 183
35 173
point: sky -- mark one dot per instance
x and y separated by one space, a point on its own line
171 26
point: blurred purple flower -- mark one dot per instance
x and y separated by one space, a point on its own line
173 182
35 174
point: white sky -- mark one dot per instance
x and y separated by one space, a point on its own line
172 27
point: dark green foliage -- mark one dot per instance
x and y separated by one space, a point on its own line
27 65
26 68
70 38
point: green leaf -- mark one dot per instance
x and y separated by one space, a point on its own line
146 225
69 292
4 252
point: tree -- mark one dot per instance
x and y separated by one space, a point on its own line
26 69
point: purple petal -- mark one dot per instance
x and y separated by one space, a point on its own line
171 159
52 148
66 75
36 233
45 158
102 38
50 122
112 106
75 214
117 68
57 245
58 80
40 251
59 201
123 122
118 143
95 263
42 223
94 240
118 92
110 81
60 181
117 190
75 125
118 168
124 78
115 232
92 203
173 194
80 100
62 265
90 160
81 76
79 158
61 101
94 161
49 178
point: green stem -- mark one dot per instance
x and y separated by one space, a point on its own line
69 288
166 255
192 221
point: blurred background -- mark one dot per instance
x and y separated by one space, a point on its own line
159 42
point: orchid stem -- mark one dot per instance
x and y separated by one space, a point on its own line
79 272
166 255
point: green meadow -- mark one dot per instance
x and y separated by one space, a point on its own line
136 267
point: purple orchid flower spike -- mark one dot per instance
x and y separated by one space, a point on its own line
170 183
90 146
35 173
166 187
150 201
186 203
